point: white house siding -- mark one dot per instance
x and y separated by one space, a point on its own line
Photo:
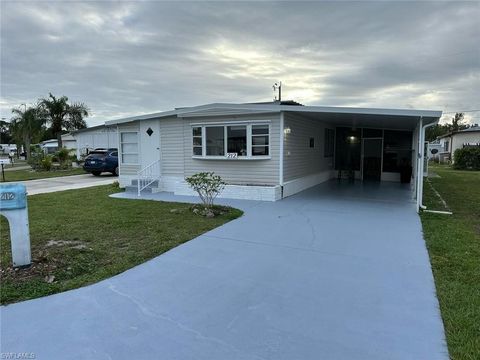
458 139
237 171
172 154
304 166
105 137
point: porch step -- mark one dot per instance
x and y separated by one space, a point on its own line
134 189
153 184
150 189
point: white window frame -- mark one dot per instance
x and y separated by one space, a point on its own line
248 125
129 153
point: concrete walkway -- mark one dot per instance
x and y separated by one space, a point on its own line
336 272
62 183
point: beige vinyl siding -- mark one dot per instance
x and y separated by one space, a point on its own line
236 171
127 169
172 146
299 159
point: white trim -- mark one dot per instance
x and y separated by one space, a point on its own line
282 138
248 127
240 158
434 114
230 123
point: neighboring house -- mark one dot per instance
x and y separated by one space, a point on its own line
68 141
95 137
6 148
49 146
269 151
458 140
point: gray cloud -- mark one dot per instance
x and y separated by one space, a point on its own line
125 58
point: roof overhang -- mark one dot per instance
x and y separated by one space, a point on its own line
341 116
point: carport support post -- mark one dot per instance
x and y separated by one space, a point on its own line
420 164
282 140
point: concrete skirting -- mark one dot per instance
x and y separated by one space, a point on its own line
296 185
244 192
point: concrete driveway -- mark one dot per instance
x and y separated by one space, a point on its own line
336 272
49 185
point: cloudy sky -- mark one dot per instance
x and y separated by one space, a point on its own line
127 58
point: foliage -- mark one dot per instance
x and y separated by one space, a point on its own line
207 185
62 155
46 163
63 116
5 134
36 157
467 158
22 175
26 126
456 124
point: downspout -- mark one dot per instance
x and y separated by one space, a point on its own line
420 167
280 170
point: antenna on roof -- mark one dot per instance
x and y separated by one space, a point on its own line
277 86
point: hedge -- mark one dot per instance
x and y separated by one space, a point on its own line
467 158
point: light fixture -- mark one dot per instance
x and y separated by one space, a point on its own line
287 130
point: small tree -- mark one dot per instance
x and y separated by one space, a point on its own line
207 185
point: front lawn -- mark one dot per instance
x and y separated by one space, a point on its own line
453 242
20 175
82 236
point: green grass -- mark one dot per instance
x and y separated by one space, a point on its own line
101 237
20 175
454 246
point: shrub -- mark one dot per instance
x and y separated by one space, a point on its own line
467 158
207 185
62 155
46 163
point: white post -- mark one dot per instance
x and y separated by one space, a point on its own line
282 139
419 165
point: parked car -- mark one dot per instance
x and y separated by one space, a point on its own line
102 160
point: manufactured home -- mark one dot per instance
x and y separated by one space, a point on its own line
268 151
458 140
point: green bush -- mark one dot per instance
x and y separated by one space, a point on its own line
62 155
207 185
46 163
467 158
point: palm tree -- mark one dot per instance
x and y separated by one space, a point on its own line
26 126
63 116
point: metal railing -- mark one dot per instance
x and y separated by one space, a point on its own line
148 175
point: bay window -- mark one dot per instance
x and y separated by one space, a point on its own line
260 140
237 141
197 141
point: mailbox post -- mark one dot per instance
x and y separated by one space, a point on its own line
13 205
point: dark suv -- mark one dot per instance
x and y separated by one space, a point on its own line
102 160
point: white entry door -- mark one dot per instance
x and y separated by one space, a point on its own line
149 141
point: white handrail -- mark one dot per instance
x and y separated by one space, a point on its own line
148 175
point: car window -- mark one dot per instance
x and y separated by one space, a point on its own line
115 153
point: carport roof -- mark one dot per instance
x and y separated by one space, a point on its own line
344 116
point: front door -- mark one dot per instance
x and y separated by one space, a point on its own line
372 159
149 141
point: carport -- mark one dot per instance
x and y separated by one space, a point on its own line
367 145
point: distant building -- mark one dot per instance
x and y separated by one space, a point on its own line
458 140
95 137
